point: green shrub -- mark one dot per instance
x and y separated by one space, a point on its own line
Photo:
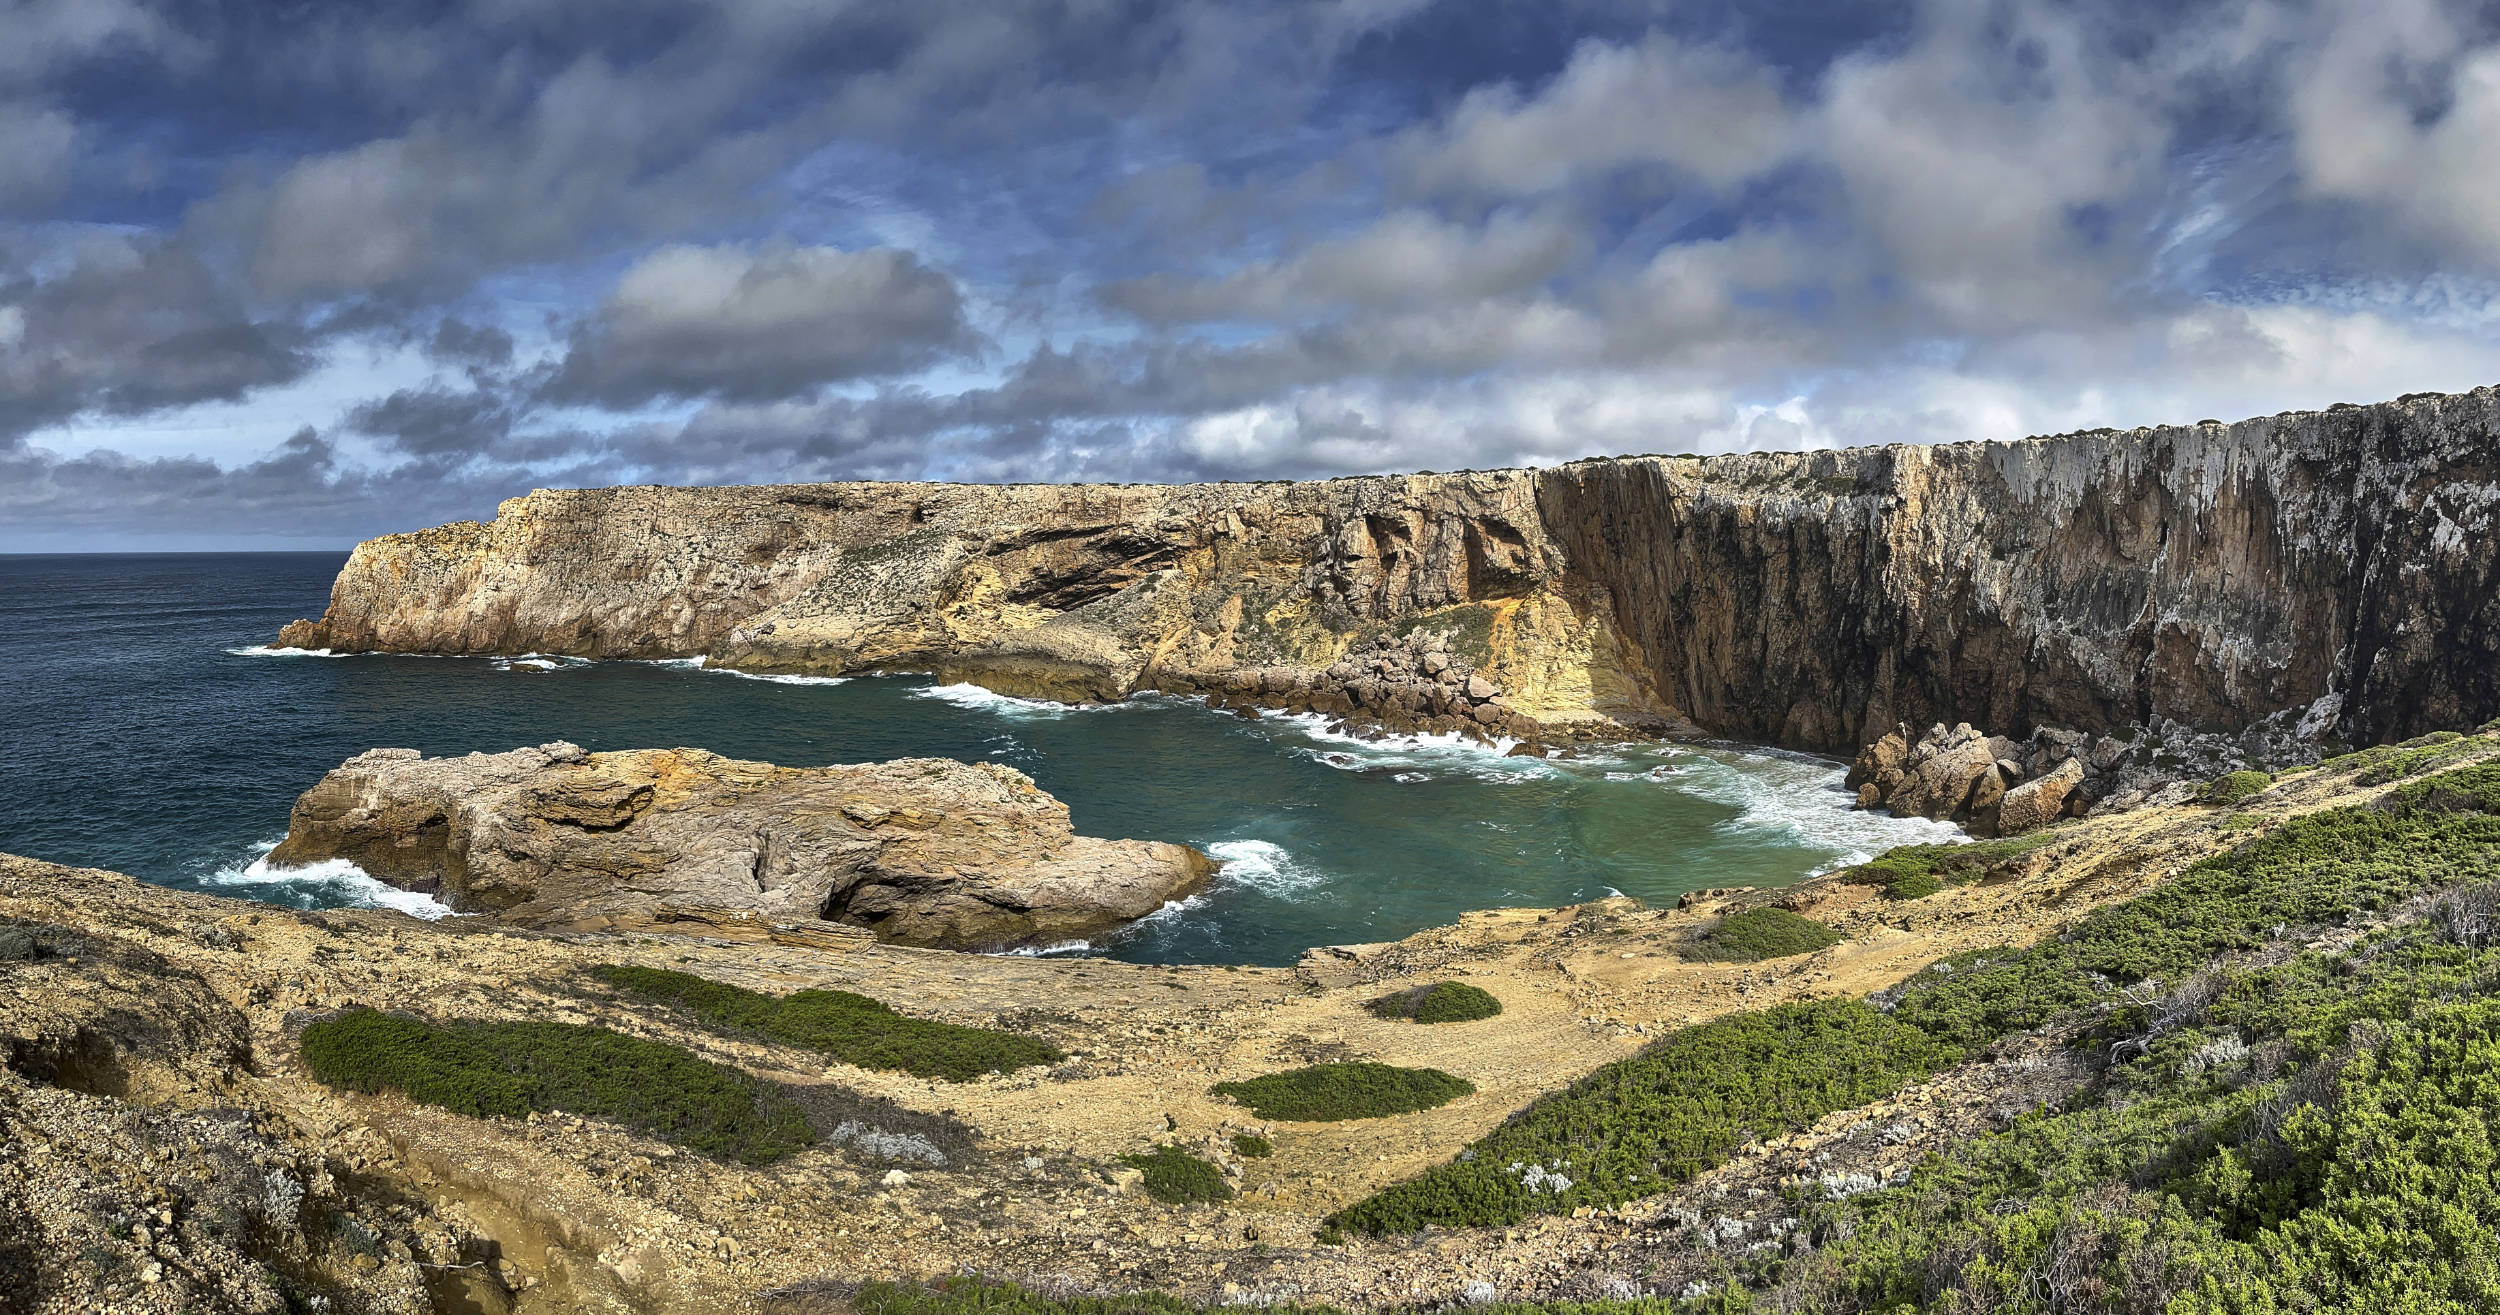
1176 1177
851 1028
2243 822
1328 1093
1441 1002
1642 1125
1252 1146
1758 934
2233 787
510 1069
1913 885
1918 871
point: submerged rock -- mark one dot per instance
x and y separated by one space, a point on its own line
922 851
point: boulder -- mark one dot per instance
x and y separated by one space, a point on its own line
1880 763
1941 773
2037 803
922 851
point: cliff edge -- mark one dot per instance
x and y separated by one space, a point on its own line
2330 570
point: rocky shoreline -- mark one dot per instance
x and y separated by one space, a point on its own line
917 851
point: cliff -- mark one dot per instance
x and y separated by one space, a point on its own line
923 851
2330 566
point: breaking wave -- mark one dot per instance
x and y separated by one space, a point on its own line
1265 867
331 883
1781 798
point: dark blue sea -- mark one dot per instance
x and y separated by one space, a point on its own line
147 729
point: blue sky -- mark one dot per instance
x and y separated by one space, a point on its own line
292 276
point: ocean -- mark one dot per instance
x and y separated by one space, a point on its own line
148 729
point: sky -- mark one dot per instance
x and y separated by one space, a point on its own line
284 275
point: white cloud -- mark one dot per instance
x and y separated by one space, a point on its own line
1713 113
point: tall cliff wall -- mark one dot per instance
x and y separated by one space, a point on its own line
2338 564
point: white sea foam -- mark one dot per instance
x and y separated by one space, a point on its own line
273 650
1046 951
1006 705
334 878
1265 867
1799 801
1489 762
778 678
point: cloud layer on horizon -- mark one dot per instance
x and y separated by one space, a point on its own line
270 279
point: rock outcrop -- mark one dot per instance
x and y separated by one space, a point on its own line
921 851
2330 569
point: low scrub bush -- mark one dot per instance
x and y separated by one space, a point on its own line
1252 1146
879 1130
1441 1002
510 1069
1176 1177
1644 1124
2232 787
840 1025
1758 934
1328 1093
1918 871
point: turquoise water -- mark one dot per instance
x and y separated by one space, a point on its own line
152 735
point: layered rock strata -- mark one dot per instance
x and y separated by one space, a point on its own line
2329 567
921 851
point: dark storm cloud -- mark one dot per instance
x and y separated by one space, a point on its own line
129 327
762 325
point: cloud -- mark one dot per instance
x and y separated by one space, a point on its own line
1408 259
760 325
2397 109
1714 114
131 326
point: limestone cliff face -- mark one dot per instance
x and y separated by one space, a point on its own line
2334 564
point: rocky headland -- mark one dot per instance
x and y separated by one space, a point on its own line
919 851
2203 591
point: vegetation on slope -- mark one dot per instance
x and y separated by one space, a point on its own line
1758 934
1646 1123
1176 1177
1327 1093
1918 871
1440 1002
1642 1125
851 1028
511 1069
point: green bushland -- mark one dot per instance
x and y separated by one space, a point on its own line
1252 1146
1758 934
1327 1093
1646 1123
980 1296
2232 787
510 1069
1176 1177
1441 1002
851 1028
1918 871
